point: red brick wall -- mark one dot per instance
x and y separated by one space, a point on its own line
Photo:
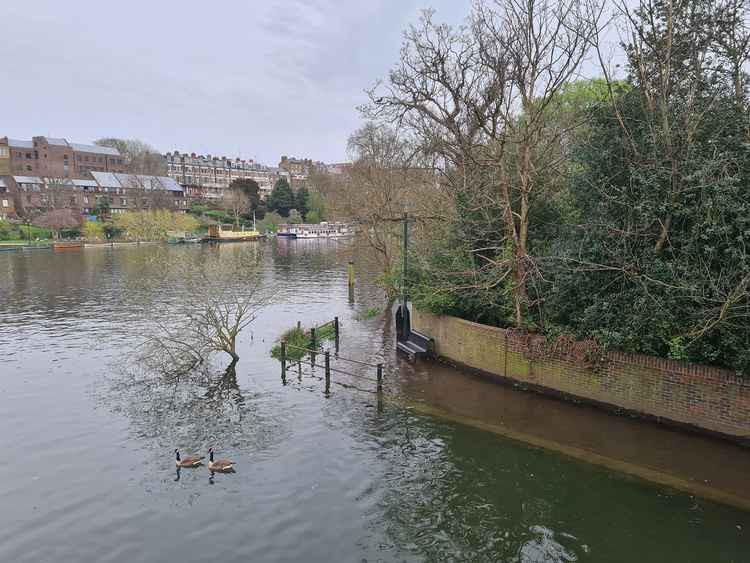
705 397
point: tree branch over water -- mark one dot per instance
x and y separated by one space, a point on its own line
215 299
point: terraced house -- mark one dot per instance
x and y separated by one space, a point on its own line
205 177
104 193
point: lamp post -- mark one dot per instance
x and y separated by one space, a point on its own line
404 294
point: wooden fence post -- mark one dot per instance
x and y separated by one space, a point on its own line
380 378
328 372
283 358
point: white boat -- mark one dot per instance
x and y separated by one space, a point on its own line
321 230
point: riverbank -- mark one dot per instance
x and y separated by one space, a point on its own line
707 468
699 398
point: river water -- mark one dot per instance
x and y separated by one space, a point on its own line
88 473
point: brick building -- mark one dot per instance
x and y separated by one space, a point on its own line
4 157
107 192
7 205
58 158
205 177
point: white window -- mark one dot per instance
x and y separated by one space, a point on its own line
5 203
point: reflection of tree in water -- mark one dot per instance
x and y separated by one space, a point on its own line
194 410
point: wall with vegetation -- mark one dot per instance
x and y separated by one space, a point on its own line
704 397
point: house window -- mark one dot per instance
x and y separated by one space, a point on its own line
5 203
28 168
29 156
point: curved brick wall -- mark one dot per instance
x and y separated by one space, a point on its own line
702 397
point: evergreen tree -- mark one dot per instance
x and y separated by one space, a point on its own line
281 198
301 202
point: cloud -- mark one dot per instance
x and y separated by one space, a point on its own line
253 78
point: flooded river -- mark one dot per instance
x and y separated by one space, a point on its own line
443 467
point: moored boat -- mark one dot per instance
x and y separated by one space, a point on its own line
68 245
216 233
320 230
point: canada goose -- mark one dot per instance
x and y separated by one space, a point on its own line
192 461
219 465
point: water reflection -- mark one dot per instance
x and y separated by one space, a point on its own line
353 477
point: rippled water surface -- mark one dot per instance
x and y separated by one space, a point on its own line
88 474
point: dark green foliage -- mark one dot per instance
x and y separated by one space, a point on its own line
610 284
281 199
301 202
595 242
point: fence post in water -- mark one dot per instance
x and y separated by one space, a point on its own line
380 377
336 327
312 346
328 372
283 358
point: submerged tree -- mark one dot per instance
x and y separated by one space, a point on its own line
220 298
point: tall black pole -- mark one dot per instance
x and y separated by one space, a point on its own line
406 263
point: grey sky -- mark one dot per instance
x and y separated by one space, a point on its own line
236 78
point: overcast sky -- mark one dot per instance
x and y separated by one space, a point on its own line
255 79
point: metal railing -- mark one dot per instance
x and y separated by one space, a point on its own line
378 367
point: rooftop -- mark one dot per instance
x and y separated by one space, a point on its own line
95 149
20 144
28 180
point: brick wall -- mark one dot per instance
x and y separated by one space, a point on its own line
703 397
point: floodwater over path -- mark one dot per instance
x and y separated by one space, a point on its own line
436 471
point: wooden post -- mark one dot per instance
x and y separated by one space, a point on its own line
328 372
283 358
336 327
299 325
351 273
312 346
380 377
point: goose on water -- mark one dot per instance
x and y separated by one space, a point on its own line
219 465
190 461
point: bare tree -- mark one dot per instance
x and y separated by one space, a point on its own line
58 219
236 201
223 299
388 178
140 157
479 96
